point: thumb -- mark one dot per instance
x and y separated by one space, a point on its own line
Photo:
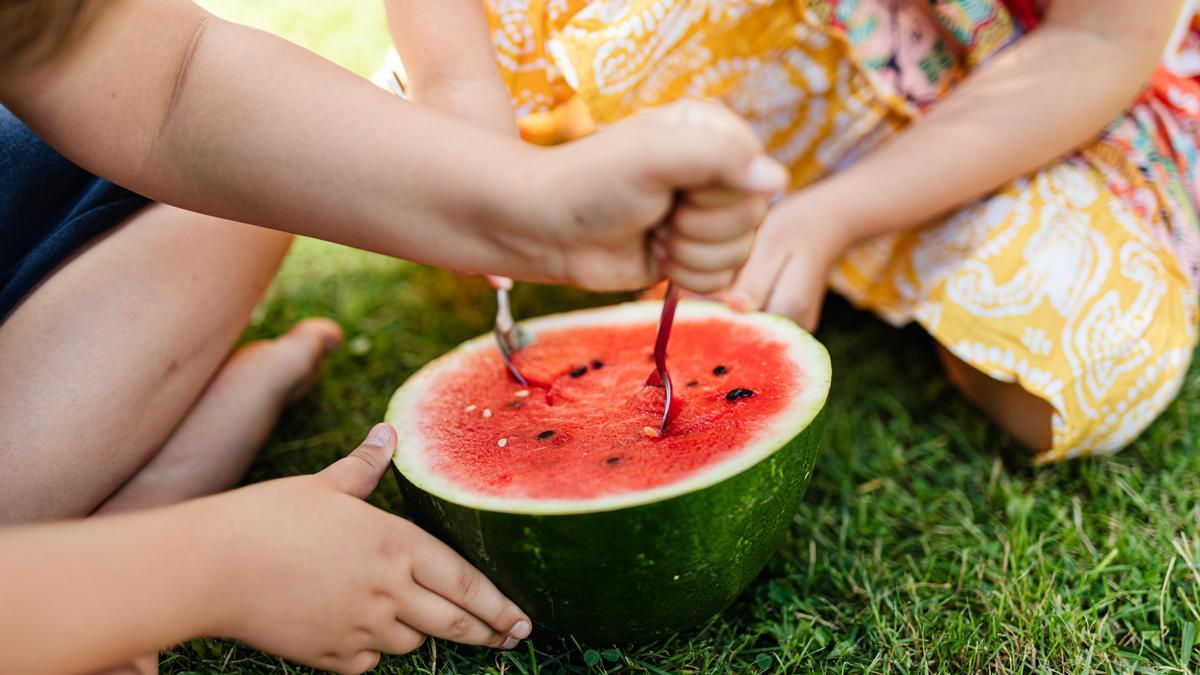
358 473
702 144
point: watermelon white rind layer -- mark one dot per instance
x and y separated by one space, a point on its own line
812 387
634 567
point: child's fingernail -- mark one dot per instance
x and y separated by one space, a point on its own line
765 175
521 630
381 434
509 643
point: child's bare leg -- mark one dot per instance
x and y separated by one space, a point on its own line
103 362
1023 415
214 445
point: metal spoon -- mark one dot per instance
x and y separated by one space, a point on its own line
660 377
510 337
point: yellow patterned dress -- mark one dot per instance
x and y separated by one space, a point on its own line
1079 281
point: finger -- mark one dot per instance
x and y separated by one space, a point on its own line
358 473
704 145
708 115
447 574
707 198
756 278
719 223
703 256
796 297
434 615
399 638
697 281
724 195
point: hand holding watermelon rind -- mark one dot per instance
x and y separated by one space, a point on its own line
321 577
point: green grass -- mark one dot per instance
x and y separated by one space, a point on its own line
925 544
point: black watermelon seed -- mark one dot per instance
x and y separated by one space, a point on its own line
545 435
613 461
735 394
513 404
720 370
746 393
578 372
694 383
597 364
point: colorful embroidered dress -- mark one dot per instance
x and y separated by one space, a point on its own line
1078 281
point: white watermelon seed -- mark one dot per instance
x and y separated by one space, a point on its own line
487 412
522 393
502 442
471 408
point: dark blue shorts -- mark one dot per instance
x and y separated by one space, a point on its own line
48 209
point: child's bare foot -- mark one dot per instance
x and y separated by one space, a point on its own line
214 445
290 362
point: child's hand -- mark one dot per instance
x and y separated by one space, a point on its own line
787 273
325 579
677 190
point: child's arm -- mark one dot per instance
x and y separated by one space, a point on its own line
1043 97
167 100
300 567
448 57
164 98
1050 93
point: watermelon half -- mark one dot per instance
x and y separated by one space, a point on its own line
564 496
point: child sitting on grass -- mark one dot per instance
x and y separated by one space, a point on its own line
121 305
997 171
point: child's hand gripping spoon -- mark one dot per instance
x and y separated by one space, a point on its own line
509 336
660 377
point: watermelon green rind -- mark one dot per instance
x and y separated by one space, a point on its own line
637 574
812 388
634 567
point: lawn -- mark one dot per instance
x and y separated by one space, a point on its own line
925 544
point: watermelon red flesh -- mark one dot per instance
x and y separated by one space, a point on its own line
580 430
636 564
